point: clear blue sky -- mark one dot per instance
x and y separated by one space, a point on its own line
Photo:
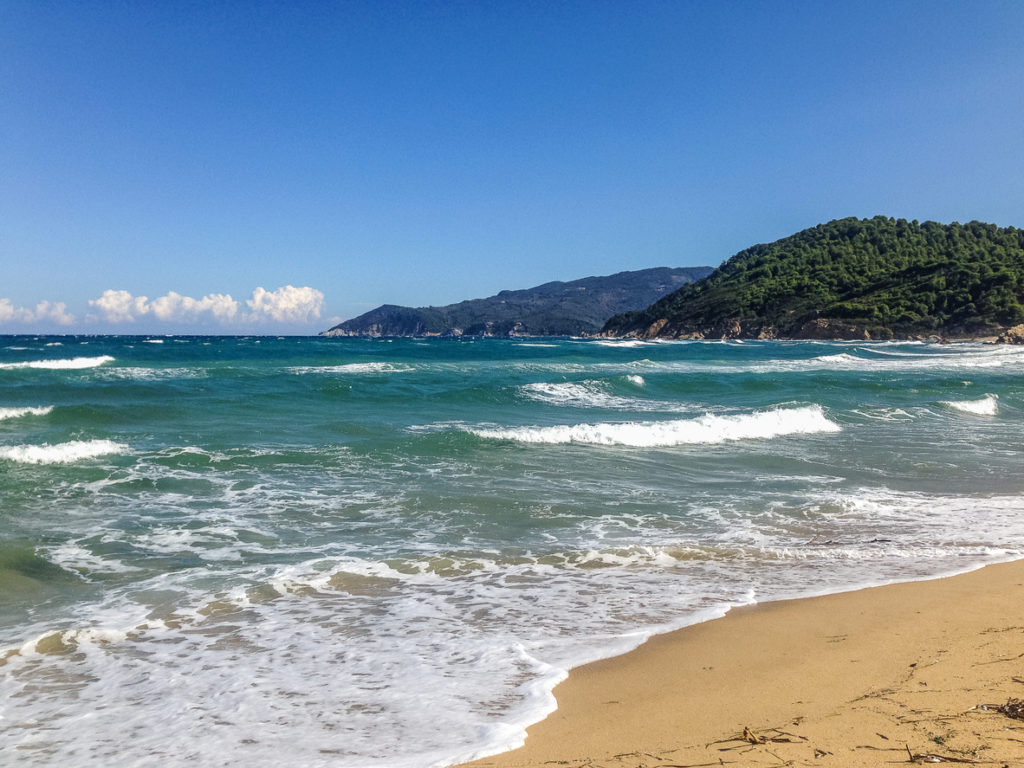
427 152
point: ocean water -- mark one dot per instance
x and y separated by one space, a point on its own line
227 551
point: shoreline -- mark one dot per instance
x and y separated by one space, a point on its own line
857 678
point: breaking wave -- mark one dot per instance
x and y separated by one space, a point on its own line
708 429
586 394
351 368
15 413
624 344
986 406
72 364
62 453
595 394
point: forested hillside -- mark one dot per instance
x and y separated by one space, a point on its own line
852 278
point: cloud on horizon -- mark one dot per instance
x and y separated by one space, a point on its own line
286 305
45 312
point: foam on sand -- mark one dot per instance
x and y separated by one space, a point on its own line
61 453
707 429
15 413
986 406
72 364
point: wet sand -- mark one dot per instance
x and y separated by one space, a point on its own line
896 674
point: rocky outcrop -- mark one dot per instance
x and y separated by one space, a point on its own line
828 329
1013 335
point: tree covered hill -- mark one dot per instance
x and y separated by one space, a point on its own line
852 278
575 308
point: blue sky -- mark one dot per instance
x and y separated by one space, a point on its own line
278 166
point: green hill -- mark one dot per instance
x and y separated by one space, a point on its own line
575 308
852 278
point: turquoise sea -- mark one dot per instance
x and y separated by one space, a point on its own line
224 551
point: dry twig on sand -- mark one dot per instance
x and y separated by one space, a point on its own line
931 757
748 737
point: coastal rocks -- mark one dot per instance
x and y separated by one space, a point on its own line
733 328
655 328
827 329
1013 335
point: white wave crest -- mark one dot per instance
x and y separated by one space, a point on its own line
987 406
14 413
62 453
588 394
152 374
595 394
708 429
72 364
351 368
625 344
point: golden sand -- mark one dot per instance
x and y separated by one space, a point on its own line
906 673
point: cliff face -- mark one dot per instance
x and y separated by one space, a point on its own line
854 279
575 308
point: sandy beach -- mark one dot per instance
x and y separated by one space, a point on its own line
923 672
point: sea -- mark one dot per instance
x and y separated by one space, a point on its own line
375 553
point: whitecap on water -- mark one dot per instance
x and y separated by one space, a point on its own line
708 429
986 406
623 344
61 453
14 413
72 364
351 368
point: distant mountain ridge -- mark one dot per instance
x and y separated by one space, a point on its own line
851 278
576 308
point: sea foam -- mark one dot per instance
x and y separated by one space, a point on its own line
623 344
351 368
708 429
587 394
61 453
15 413
986 406
72 364
594 394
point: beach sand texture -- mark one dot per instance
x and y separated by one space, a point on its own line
905 673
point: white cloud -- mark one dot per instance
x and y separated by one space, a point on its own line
174 306
121 306
285 305
12 314
45 311
56 311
